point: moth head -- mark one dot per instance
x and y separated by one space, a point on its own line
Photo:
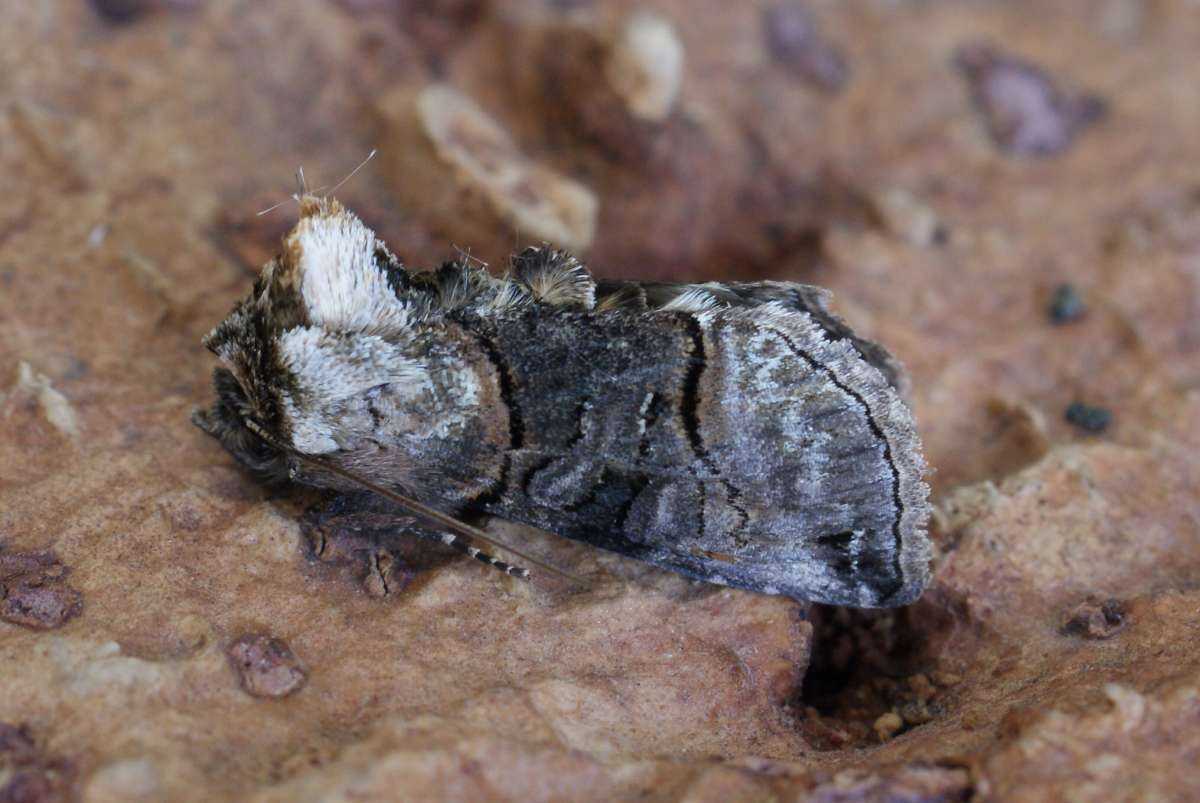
228 419
328 319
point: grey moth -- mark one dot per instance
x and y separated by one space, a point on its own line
738 433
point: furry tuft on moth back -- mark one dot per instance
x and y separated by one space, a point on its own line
737 433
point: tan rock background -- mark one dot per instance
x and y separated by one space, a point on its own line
170 630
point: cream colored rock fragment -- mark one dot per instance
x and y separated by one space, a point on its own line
54 406
646 65
888 725
124 781
538 201
907 216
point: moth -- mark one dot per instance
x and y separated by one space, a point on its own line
737 433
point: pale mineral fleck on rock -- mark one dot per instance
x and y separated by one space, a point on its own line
888 725
908 217
539 201
53 405
130 780
646 65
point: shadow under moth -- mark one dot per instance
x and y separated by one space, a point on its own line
736 433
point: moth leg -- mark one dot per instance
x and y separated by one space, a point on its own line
452 540
358 525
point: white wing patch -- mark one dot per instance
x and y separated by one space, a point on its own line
330 368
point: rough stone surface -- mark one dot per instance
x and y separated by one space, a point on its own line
1056 654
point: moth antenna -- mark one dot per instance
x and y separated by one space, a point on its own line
349 175
413 506
303 184
325 188
295 198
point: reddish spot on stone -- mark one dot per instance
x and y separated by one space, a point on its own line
34 592
267 666
795 41
1027 114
